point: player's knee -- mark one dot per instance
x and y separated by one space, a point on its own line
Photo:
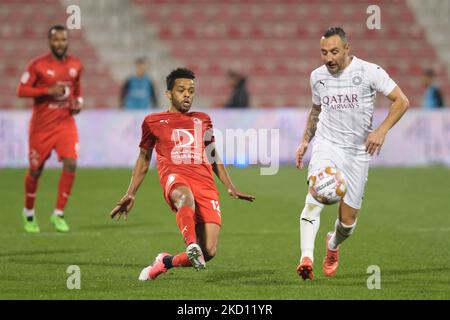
185 200
36 173
348 218
69 165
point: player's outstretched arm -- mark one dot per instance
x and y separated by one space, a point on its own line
310 131
140 170
399 106
222 173
28 91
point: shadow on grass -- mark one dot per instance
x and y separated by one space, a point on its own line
77 262
109 225
393 272
38 252
427 270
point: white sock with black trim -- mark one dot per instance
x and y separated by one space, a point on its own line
58 212
29 213
309 225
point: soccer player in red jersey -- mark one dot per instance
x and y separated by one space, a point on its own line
186 158
53 81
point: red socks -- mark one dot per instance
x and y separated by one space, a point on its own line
64 188
30 191
181 260
186 224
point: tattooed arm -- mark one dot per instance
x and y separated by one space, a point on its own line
310 131
311 126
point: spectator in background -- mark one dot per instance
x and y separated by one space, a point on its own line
239 97
432 98
138 91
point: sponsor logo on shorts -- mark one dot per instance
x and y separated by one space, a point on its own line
34 158
170 179
73 72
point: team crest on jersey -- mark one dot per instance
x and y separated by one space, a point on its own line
356 80
73 72
197 120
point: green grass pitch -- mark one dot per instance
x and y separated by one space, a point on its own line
403 227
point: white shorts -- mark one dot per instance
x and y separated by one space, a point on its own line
354 166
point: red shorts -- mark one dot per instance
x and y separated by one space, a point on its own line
41 144
207 206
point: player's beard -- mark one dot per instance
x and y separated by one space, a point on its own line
59 53
182 106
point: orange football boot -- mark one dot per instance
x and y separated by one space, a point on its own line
305 269
331 260
155 269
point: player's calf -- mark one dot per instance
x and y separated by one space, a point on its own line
309 226
209 252
31 184
341 233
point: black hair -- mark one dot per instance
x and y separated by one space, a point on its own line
336 31
177 74
56 27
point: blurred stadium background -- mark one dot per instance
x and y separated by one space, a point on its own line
276 44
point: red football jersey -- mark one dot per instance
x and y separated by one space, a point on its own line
181 142
43 72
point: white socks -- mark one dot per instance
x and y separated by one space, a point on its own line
57 212
28 212
341 232
309 225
